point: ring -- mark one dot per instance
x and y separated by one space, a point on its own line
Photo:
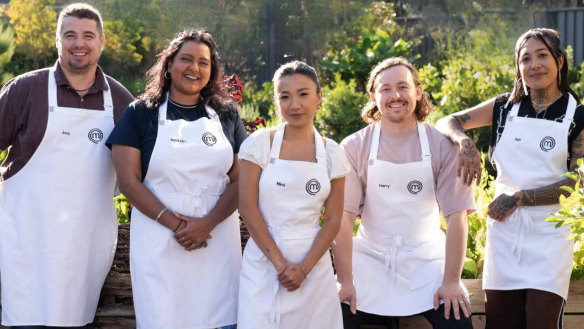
460 301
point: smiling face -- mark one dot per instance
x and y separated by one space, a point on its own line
190 71
395 94
537 66
79 44
297 99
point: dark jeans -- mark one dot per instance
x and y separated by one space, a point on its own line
436 319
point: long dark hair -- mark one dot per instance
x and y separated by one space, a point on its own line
370 113
213 94
551 39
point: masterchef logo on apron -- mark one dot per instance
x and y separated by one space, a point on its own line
209 139
95 135
415 187
547 143
312 187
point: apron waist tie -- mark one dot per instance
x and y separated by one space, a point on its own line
276 305
391 256
525 223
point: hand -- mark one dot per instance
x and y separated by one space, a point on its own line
503 206
469 162
453 297
347 293
194 234
291 276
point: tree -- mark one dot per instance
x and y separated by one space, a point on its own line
7 46
34 23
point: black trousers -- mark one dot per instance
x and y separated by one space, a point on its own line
436 319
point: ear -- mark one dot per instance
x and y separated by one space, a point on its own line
372 97
560 62
419 93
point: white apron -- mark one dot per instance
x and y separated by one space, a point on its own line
524 251
172 287
291 196
399 250
58 221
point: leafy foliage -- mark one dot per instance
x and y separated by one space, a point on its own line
571 214
340 113
355 50
7 47
34 23
474 70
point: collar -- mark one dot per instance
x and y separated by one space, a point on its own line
98 85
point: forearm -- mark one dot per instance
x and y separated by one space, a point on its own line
258 230
343 248
144 200
226 205
456 235
322 242
451 128
545 195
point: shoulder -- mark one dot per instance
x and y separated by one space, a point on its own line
356 139
28 79
256 148
337 163
440 146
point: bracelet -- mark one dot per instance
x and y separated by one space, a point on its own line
160 214
302 268
176 228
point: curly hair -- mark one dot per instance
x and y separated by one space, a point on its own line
213 94
370 113
551 39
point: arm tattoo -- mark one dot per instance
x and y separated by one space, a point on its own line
267 250
469 150
508 203
464 117
546 195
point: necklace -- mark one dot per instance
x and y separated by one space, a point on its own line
541 107
183 106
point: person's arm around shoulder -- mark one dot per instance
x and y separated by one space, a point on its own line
251 172
454 125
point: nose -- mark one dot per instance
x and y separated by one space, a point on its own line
195 66
394 94
294 103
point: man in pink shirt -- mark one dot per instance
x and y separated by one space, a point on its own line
403 176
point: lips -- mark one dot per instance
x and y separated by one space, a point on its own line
396 105
192 77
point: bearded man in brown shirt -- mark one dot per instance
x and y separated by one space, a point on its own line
57 182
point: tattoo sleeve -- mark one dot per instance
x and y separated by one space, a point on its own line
546 195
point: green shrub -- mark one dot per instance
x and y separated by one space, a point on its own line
340 113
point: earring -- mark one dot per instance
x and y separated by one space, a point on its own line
559 80
167 75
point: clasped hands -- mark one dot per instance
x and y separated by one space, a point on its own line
290 276
193 232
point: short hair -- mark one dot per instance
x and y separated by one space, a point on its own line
370 113
80 10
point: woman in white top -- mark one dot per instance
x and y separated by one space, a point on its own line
288 174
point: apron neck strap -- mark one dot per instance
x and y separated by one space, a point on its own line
422 136
277 144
